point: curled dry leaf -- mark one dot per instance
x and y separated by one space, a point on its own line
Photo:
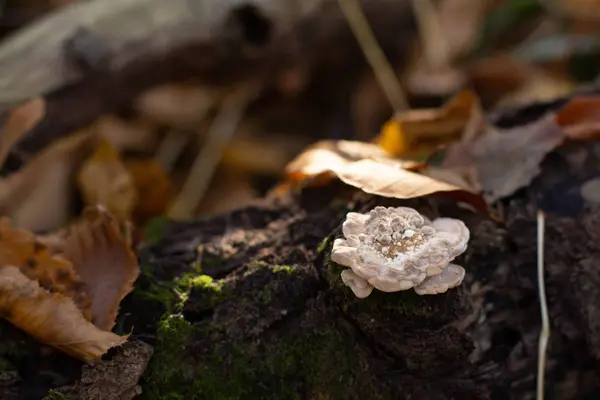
105 262
45 183
371 170
51 318
103 179
20 120
417 132
580 117
21 249
503 161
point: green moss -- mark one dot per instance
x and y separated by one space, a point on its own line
168 373
54 395
153 230
324 245
288 269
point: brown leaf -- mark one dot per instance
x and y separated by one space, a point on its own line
105 262
154 188
103 179
418 132
51 318
370 169
327 156
20 120
21 249
580 117
44 183
504 161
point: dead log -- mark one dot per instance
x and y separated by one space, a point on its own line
270 318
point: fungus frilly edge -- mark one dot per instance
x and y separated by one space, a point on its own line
396 248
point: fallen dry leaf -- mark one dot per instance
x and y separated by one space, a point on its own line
104 261
328 156
51 318
103 179
153 186
580 117
20 120
364 166
45 183
418 132
21 249
504 161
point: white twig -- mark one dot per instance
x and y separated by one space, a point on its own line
545 331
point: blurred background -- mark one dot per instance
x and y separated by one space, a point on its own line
509 52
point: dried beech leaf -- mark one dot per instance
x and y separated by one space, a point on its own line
51 318
391 181
382 176
103 179
21 249
105 262
329 156
504 161
580 118
44 183
20 120
154 188
417 132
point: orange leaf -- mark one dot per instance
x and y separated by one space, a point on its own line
580 118
418 132
154 188
105 262
51 318
20 249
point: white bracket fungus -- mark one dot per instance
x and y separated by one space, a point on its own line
393 249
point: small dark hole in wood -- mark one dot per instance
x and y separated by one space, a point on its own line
255 27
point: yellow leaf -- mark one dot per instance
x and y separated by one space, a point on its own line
104 261
104 180
51 318
421 132
20 249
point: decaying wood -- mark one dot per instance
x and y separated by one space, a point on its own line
93 57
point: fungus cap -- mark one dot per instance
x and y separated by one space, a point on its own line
396 248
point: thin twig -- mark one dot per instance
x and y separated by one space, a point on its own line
218 136
435 47
545 331
379 63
